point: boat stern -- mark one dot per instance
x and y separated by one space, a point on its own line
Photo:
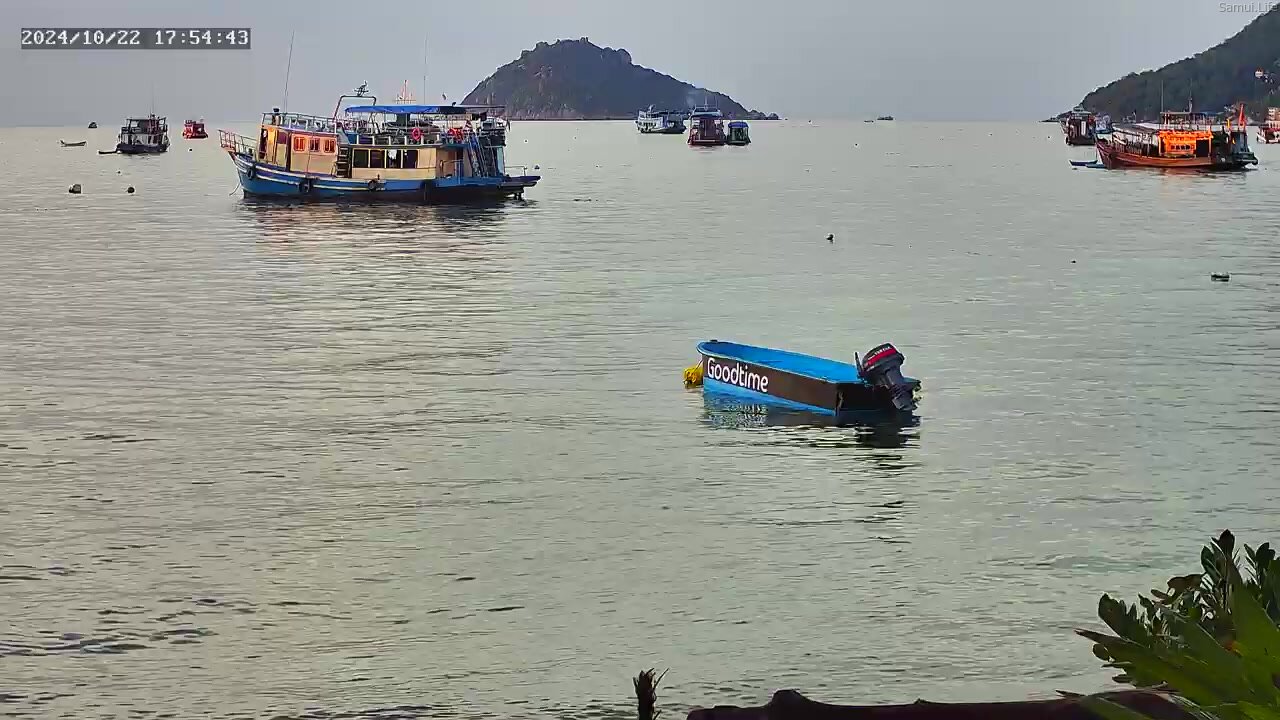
882 368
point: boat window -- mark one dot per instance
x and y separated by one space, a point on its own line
360 158
282 138
314 145
329 147
377 158
410 159
299 143
393 159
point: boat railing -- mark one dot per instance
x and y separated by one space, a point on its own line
298 121
367 126
234 143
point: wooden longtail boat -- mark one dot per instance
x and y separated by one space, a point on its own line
1181 141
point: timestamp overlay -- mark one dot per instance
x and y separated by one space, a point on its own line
135 38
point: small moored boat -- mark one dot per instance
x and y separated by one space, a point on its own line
1269 130
738 133
73 144
144 136
885 117
660 122
93 126
194 129
706 126
1079 126
806 382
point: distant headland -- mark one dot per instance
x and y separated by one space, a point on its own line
577 80
1243 68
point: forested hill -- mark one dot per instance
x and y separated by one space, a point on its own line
1213 79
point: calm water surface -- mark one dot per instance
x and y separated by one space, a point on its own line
261 460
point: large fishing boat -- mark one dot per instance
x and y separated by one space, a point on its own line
143 136
401 152
1079 126
661 122
706 126
1181 140
1269 130
194 129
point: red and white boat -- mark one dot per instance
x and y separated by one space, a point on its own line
706 127
194 129
1269 130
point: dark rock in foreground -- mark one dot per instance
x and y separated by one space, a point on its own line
791 705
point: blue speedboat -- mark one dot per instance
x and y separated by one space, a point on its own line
805 382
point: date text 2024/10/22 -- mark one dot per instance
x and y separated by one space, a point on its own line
101 38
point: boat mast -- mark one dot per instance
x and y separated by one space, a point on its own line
287 69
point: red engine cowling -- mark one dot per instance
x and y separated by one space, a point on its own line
882 366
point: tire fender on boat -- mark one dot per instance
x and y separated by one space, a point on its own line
374 184
426 192
252 172
305 185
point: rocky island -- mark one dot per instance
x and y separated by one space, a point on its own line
577 80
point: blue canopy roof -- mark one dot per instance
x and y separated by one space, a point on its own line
419 109
737 123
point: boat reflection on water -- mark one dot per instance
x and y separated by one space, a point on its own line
868 430
376 225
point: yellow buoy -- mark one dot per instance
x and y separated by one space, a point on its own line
693 376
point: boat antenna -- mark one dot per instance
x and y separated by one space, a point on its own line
424 68
288 67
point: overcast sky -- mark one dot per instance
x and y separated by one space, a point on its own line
916 59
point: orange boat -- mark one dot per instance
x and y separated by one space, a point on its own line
1182 140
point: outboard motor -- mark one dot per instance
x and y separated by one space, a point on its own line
882 366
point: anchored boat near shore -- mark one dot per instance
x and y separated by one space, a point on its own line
706 126
805 382
402 152
661 122
194 129
1182 140
1079 127
143 136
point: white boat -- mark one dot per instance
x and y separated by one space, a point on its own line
661 122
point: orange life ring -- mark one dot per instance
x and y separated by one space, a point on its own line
416 134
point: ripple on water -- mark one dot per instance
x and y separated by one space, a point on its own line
322 461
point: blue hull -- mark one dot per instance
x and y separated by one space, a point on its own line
790 380
265 181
